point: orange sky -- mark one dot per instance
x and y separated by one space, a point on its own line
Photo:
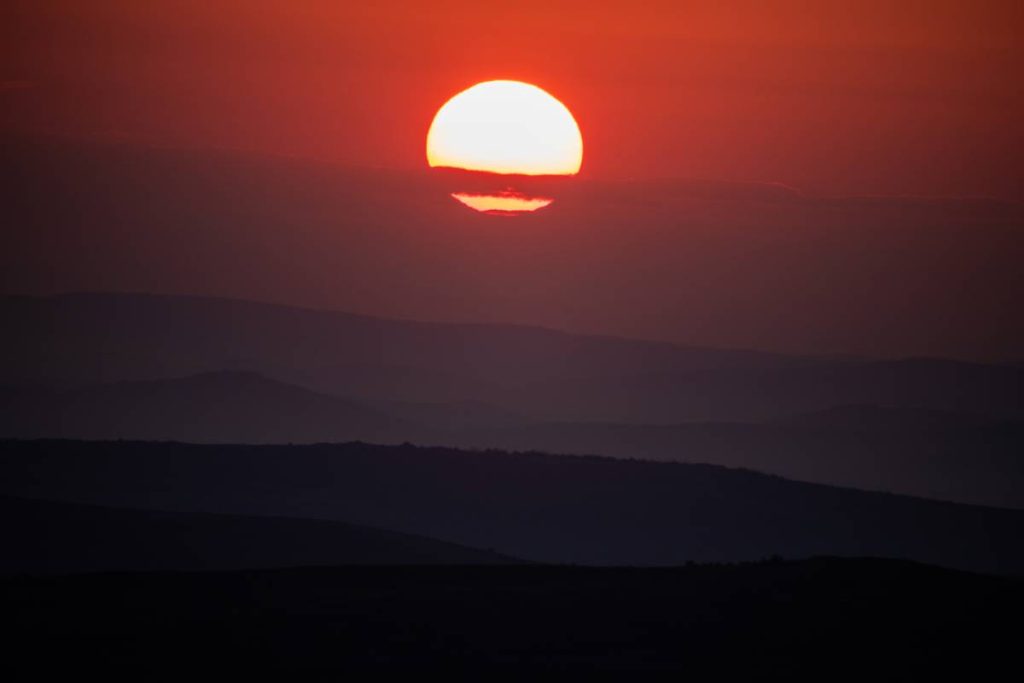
144 145
836 98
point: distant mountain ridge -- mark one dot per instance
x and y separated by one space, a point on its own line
878 418
936 454
114 366
212 407
539 373
532 506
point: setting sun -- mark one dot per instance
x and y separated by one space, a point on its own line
500 132
506 127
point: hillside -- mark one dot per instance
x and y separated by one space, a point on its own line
938 455
856 619
42 537
531 506
542 374
960 457
207 408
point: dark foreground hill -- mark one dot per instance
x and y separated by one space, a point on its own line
945 456
822 619
959 457
47 537
536 507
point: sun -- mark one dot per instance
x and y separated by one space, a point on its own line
505 128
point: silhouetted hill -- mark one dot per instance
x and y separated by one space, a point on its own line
111 337
940 455
936 454
211 407
875 418
452 418
535 372
765 393
532 506
52 537
824 618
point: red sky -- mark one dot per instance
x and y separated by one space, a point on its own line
837 98
193 104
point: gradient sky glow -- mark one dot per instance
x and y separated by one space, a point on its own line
826 177
851 98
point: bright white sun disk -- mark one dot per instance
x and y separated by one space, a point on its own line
505 127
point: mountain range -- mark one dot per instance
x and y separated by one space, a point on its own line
539 508
117 366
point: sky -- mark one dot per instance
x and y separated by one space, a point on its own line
802 176
831 97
